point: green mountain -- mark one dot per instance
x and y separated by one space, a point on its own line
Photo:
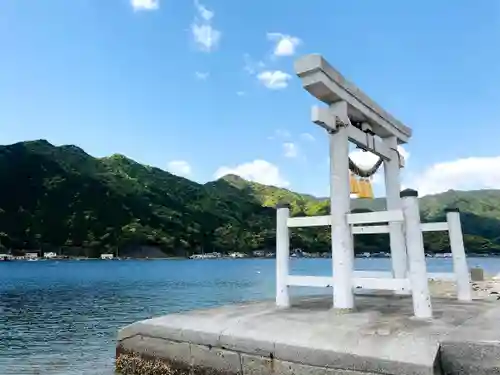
62 198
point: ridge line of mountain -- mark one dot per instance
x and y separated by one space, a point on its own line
60 197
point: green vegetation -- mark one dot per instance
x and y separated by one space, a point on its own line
62 198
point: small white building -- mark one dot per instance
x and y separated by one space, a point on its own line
213 255
33 256
443 255
107 256
50 255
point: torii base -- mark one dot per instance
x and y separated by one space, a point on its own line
381 337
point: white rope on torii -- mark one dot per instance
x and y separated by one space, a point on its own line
361 172
369 171
360 179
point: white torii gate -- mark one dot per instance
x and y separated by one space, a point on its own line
352 116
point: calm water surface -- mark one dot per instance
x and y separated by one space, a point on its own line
61 317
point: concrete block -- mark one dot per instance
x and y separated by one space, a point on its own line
223 361
197 331
474 347
478 358
248 345
257 365
477 274
200 337
153 328
247 337
375 363
331 371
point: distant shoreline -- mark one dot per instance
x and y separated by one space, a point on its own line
358 256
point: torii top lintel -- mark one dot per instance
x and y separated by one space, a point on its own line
322 81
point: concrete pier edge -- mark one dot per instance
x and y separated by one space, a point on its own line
382 337
129 362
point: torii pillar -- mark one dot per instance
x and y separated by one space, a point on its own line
353 116
393 202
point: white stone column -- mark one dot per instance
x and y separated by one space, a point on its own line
460 267
282 255
415 246
393 188
340 201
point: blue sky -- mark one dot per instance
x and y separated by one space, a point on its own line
201 87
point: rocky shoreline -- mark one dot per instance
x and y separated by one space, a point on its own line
487 289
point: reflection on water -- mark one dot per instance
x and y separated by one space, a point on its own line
61 318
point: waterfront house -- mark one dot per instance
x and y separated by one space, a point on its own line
443 255
107 256
50 255
259 253
297 253
31 256
213 255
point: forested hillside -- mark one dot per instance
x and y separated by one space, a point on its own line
62 198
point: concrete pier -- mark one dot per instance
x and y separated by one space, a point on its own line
309 338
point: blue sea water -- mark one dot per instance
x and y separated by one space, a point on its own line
61 317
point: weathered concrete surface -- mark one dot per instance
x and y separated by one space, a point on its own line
474 348
380 337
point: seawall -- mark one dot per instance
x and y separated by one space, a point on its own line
380 337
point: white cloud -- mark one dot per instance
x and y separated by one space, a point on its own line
274 80
461 174
202 75
204 13
405 154
377 179
307 137
280 134
363 159
179 167
252 66
366 159
260 171
286 45
290 149
145 4
205 35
